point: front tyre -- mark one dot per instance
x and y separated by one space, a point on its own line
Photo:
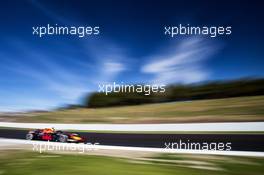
63 138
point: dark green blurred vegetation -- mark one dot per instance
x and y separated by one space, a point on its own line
209 90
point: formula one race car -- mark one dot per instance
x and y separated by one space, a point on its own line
49 134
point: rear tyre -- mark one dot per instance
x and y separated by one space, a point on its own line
29 136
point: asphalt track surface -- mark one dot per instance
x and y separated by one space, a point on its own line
239 142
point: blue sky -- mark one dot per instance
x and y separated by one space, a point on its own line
44 73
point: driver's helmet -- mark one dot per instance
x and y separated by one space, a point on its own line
48 130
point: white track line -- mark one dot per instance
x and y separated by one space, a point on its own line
8 142
230 126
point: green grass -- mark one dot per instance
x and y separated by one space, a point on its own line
219 110
19 163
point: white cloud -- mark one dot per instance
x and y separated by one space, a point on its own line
58 83
181 64
113 67
108 70
110 61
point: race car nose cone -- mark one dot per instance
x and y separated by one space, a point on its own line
76 138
